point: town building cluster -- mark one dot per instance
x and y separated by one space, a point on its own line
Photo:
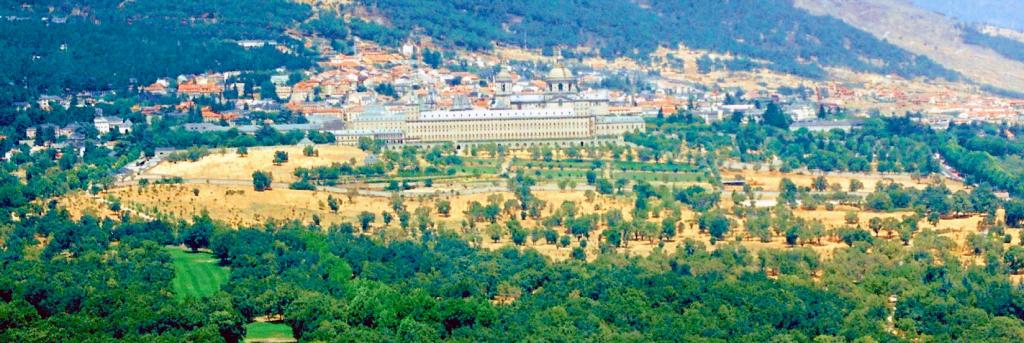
392 97
938 105
511 96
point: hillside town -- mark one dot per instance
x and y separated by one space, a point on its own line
412 95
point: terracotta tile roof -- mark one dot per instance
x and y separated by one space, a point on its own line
185 105
193 87
209 114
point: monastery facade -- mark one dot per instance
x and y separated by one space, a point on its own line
561 115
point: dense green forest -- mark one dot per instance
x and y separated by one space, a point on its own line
337 286
984 153
101 45
793 40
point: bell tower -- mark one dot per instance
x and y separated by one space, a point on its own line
502 90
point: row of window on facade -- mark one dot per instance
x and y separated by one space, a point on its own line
510 135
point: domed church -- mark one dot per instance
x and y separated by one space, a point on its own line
562 92
561 81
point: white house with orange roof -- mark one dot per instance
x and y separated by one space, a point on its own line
159 87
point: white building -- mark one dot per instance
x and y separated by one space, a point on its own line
375 117
500 126
106 124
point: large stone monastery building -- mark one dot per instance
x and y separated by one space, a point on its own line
562 115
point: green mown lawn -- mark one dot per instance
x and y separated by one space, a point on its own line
196 274
267 331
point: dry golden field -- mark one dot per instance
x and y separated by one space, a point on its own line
241 206
230 166
237 204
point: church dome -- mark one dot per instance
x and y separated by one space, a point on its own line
559 73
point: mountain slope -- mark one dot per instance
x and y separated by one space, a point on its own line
1008 47
924 32
793 40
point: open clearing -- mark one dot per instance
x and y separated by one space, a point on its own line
266 332
197 274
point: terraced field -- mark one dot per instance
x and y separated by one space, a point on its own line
633 171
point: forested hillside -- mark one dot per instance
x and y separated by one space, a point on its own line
54 46
57 45
774 30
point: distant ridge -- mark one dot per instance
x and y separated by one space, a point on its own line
1005 13
925 32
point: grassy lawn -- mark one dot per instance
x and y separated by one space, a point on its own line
653 167
556 164
557 174
267 331
477 170
196 274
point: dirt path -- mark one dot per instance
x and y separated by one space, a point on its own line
126 209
